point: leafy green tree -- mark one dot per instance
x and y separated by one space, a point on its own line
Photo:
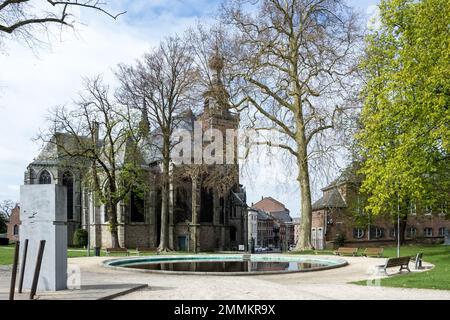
404 140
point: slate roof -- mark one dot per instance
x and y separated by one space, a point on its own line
282 216
330 199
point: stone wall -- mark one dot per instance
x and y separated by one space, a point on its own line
138 235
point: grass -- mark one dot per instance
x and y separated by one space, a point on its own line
7 254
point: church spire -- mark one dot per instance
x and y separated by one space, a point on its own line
216 97
144 124
216 64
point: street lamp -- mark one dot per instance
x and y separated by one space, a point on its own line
398 226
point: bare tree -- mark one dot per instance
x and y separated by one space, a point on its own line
6 207
294 61
26 18
98 135
161 85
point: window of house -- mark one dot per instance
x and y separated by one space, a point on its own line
412 208
377 232
45 178
207 206
428 210
358 233
444 208
428 232
233 233
137 207
411 232
16 230
393 232
104 213
442 232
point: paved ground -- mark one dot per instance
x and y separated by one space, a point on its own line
329 284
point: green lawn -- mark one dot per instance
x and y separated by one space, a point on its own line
7 254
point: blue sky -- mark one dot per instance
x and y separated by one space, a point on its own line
31 82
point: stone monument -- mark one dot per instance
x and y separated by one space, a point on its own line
44 217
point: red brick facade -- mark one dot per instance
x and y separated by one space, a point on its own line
338 218
14 225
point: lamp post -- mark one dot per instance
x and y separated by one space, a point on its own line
398 227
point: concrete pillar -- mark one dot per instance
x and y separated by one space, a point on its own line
44 217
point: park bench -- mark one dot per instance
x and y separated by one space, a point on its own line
402 262
373 252
146 251
117 250
345 250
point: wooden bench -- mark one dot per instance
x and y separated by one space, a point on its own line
147 251
402 262
345 250
373 252
117 250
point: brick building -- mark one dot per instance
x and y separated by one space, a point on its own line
266 233
338 213
14 224
278 227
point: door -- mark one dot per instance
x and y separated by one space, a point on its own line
319 239
313 237
182 243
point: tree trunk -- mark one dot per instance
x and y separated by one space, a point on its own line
113 225
194 217
164 239
304 240
403 221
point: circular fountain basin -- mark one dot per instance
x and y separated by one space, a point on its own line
225 264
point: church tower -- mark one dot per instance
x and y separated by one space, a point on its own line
216 112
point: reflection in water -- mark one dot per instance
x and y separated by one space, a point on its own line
228 266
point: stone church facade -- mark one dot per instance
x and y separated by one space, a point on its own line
200 219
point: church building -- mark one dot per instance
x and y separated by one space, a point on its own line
200 218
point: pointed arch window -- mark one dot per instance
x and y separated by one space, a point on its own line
45 177
68 183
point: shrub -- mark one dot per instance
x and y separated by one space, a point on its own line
339 240
80 238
